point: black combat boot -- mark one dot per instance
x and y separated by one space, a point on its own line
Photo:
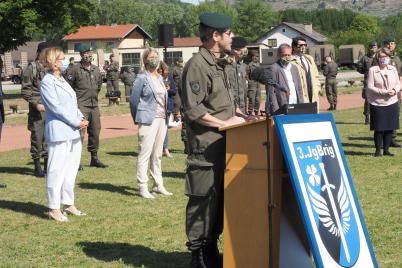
367 120
198 259
213 257
334 107
38 169
45 165
95 162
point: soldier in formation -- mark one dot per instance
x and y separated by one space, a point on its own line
254 91
330 71
112 78
85 79
128 77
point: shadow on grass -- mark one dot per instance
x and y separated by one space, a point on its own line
176 151
107 187
136 255
26 208
357 153
361 139
349 123
174 174
134 154
17 170
358 145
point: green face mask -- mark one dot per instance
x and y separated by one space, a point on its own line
286 60
152 63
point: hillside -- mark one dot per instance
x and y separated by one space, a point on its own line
380 8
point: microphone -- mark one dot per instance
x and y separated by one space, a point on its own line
264 76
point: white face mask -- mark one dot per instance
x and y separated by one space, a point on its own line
64 64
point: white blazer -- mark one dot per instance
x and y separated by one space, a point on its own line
62 114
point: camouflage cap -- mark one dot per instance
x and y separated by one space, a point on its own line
388 40
84 48
238 42
216 20
373 44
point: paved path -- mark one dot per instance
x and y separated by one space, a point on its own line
17 137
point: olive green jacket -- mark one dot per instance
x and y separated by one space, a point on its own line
30 85
237 76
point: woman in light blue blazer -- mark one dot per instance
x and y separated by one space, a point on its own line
148 103
62 132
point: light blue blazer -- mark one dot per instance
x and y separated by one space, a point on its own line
62 114
143 99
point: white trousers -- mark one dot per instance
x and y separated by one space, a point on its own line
150 146
62 167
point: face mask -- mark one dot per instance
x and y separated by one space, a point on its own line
384 61
87 58
286 60
64 65
152 63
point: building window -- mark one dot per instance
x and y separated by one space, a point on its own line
93 45
283 30
272 42
132 59
77 47
172 56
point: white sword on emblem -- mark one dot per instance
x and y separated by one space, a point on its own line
327 187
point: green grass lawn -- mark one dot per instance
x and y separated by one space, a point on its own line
122 229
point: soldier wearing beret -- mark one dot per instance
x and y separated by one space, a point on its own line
254 90
363 67
236 72
207 104
390 43
30 86
85 79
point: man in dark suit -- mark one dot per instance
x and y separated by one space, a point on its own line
2 185
288 78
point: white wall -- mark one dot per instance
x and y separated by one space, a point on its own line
285 37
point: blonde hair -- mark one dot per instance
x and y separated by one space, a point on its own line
146 53
49 57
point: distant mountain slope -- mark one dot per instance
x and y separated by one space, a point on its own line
381 8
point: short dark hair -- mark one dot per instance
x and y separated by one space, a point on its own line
207 32
71 58
296 40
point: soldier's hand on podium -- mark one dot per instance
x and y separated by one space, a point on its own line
234 121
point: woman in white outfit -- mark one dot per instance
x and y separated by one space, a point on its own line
62 132
148 103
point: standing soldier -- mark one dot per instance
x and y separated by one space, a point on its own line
207 105
363 67
330 71
31 77
236 73
254 91
128 77
85 79
112 78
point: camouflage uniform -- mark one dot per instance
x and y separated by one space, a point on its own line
254 91
330 71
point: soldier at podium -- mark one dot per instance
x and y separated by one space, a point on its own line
207 104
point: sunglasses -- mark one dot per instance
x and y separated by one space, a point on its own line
302 45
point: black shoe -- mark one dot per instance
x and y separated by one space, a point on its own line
38 169
367 120
45 165
388 153
213 255
198 259
377 154
80 168
95 162
330 107
395 144
3 185
334 107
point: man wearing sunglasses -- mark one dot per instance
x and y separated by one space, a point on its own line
308 71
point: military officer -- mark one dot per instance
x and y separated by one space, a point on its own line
254 91
128 77
85 79
112 76
207 105
330 71
236 73
30 86
363 67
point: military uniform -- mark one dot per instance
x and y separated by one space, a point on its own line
30 91
87 84
205 90
177 72
330 71
254 91
363 67
128 77
237 76
112 77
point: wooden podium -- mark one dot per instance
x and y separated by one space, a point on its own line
246 197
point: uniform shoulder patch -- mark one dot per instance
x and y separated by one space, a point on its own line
195 86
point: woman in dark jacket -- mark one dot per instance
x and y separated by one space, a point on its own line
171 88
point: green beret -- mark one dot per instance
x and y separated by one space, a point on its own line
238 42
216 20
372 44
388 40
84 48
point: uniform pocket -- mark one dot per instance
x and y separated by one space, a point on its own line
199 178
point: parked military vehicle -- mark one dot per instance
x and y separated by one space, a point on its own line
349 55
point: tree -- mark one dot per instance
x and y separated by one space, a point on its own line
254 19
20 19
